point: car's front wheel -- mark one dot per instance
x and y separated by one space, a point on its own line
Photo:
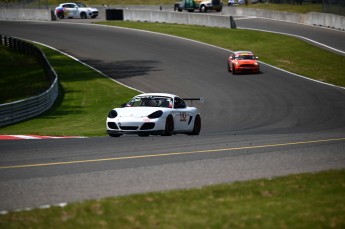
83 15
169 126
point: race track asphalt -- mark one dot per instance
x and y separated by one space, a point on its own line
254 126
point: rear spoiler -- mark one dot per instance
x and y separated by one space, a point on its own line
201 100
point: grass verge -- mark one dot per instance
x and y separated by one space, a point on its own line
85 99
21 76
279 50
296 201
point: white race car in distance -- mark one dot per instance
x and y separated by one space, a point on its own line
75 10
156 114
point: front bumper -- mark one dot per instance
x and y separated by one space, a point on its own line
134 126
253 69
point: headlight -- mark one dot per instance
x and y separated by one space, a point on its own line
112 114
155 114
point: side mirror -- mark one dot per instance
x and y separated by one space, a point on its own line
123 105
256 57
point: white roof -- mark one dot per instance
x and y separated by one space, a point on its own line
238 52
158 94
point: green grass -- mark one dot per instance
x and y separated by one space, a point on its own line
279 50
296 201
85 99
21 76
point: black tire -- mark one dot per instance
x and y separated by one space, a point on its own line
83 15
169 126
177 8
229 69
233 70
60 15
197 126
203 9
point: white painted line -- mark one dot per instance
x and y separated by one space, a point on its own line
300 37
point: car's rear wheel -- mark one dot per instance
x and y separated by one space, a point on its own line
60 15
169 126
197 126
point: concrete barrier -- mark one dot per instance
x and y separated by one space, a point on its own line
210 20
313 18
164 13
26 14
327 20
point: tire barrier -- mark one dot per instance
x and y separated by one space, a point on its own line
27 108
114 14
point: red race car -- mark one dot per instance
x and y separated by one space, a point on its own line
243 61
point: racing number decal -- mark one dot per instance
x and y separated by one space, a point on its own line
183 116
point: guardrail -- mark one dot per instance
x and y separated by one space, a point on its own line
27 108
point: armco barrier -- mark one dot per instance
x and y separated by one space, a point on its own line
27 108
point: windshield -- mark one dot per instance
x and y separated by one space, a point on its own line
245 57
80 4
150 101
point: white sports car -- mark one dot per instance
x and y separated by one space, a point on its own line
156 114
75 10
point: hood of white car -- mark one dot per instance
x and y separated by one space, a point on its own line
92 9
138 112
